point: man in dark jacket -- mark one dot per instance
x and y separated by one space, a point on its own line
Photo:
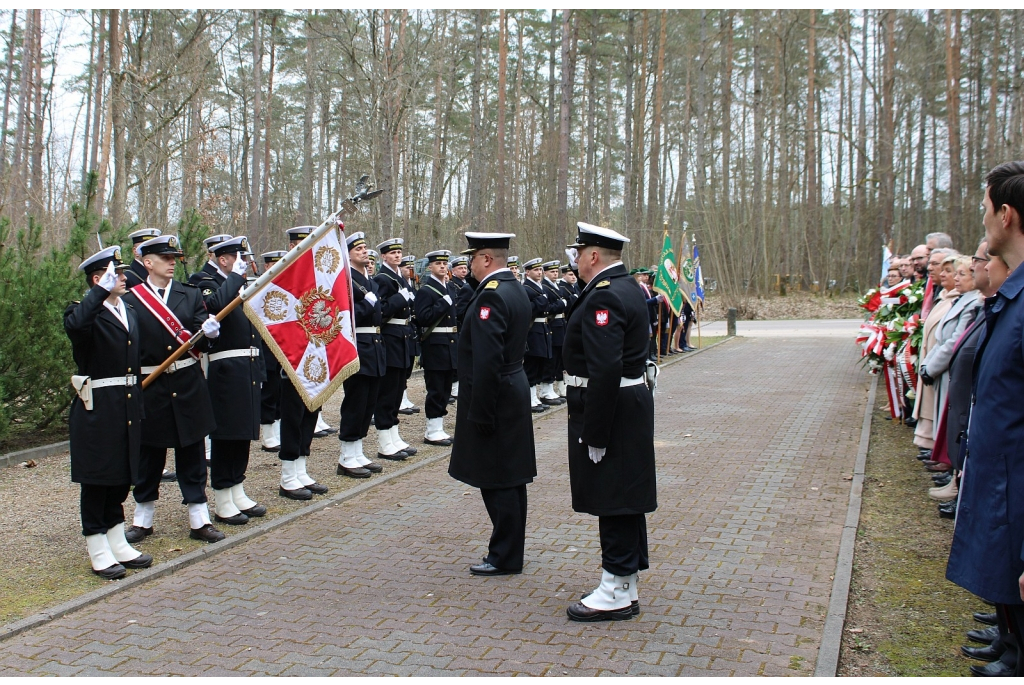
435 313
361 388
106 417
136 272
179 413
538 341
270 393
235 376
458 269
493 448
557 306
611 420
987 554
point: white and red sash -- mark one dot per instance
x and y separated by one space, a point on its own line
164 315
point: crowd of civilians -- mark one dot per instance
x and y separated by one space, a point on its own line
968 411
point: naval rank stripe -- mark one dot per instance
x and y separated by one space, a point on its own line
163 314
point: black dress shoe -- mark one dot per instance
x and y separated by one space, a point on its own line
451 400
373 467
584 614
111 572
238 519
257 510
996 669
987 619
988 653
910 423
539 408
947 513
486 569
447 442
320 434
168 476
135 534
207 534
410 450
407 412
271 449
634 606
941 479
330 430
552 401
397 456
141 561
316 488
298 493
985 636
357 472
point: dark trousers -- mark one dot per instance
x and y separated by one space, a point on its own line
297 424
357 406
623 543
534 368
101 507
228 461
553 366
1010 620
507 509
439 389
270 398
389 398
189 463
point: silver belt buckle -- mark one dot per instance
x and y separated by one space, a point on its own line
129 380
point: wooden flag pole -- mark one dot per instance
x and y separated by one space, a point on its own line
659 328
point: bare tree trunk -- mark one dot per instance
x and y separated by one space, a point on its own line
953 46
499 200
727 113
257 122
17 181
476 155
117 118
885 161
569 28
813 227
655 212
265 199
606 156
627 153
993 149
90 71
306 190
37 192
758 170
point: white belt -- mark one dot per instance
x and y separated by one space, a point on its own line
453 329
542 319
367 329
581 382
176 366
250 352
396 322
559 316
120 381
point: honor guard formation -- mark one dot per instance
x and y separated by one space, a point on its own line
498 338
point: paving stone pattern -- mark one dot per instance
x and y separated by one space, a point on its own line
753 441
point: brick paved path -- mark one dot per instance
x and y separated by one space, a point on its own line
750 465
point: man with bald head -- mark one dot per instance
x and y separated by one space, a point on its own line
919 259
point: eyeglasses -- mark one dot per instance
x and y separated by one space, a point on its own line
976 259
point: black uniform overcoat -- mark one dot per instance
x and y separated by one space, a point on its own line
136 273
570 293
399 341
493 424
235 382
538 342
105 441
606 339
372 353
438 351
556 312
178 407
463 299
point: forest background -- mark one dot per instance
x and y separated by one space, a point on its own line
790 144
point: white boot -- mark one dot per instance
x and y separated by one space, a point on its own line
198 516
289 477
242 500
268 438
406 404
321 425
633 595
144 514
300 472
435 434
612 593
100 554
455 389
224 504
533 396
386 446
397 441
277 432
120 548
209 447
349 457
360 456
560 388
547 392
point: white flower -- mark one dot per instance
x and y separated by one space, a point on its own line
890 352
911 299
911 394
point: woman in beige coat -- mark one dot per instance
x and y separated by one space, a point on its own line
924 405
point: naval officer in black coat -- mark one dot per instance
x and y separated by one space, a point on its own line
136 272
493 448
611 420
106 417
270 393
556 322
179 413
235 377
361 388
436 315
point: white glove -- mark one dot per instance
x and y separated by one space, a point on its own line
108 281
564 303
371 298
211 327
573 255
240 266
447 298
596 453
407 294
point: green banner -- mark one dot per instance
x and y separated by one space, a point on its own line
666 280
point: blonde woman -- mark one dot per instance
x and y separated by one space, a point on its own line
924 407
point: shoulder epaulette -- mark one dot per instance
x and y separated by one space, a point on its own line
491 285
603 284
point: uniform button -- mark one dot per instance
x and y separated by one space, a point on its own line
129 395
174 394
254 382
129 342
129 370
168 347
129 422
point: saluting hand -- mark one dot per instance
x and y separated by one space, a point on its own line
108 281
239 267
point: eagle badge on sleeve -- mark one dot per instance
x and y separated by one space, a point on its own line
601 317
485 313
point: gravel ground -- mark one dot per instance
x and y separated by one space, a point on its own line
45 561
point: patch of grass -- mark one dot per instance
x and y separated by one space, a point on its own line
904 617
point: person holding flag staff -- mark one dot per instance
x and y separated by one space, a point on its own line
105 419
179 413
235 378
396 297
435 312
611 420
361 388
493 448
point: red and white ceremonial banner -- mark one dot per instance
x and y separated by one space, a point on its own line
304 315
